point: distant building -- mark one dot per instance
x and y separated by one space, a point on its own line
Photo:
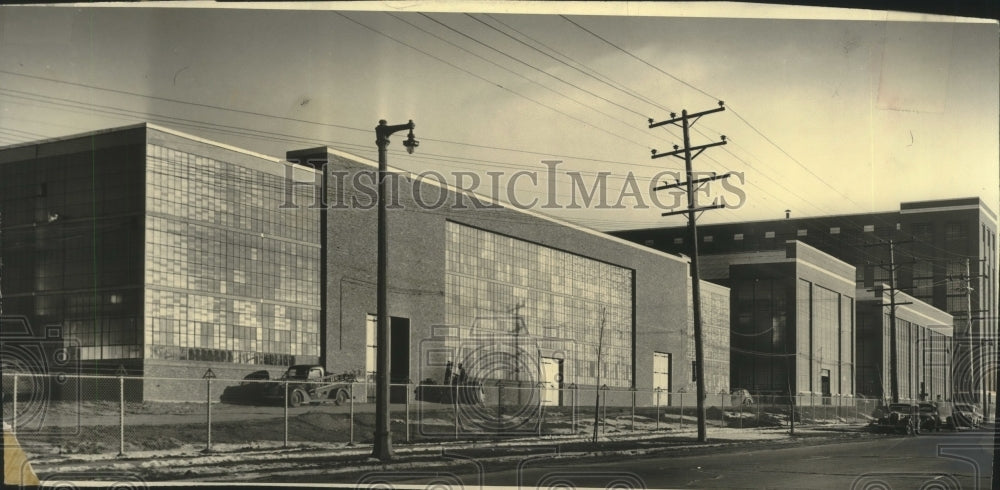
935 240
792 320
148 251
715 314
924 348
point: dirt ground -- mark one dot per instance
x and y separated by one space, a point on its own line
93 427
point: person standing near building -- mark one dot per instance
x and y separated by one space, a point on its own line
447 373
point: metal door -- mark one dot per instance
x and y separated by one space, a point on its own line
551 380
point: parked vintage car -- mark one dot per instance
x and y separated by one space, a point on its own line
306 383
908 418
741 397
896 417
945 413
930 417
967 415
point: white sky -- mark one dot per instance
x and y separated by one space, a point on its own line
825 116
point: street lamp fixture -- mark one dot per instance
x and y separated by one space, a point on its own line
411 143
382 447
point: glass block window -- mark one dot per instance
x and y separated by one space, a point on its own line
715 330
506 297
229 275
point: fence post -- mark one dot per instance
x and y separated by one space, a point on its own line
407 403
121 416
680 419
722 412
658 391
13 427
286 414
499 406
759 401
604 409
350 385
541 406
741 410
208 402
812 404
632 428
454 405
573 412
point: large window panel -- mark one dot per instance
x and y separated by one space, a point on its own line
230 276
509 295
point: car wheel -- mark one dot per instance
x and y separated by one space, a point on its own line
340 397
296 398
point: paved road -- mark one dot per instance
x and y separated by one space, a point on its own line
940 461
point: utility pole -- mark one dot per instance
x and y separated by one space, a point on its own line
968 313
970 338
975 351
382 447
893 354
1 264
685 122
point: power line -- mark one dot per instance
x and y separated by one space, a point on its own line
601 78
782 150
304 121
737 114
628 53
533 67
495 84
587 106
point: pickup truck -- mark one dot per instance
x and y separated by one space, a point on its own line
309 383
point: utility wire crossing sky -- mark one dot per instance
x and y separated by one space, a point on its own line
823 116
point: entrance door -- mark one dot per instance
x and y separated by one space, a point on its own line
824 383
399 357
552 381
661 373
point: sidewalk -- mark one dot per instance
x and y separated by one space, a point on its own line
241 462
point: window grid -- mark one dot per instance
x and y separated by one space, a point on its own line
497 285
230 275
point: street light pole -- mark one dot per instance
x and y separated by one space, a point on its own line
1 263
382 447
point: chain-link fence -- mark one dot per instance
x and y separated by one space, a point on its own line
99 414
